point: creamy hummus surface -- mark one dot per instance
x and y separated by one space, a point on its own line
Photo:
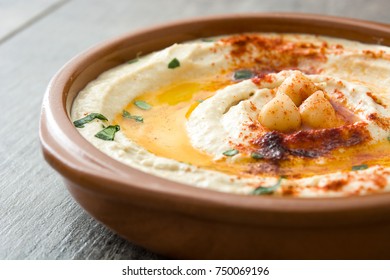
261 114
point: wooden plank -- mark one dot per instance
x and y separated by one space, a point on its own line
39 219
18 14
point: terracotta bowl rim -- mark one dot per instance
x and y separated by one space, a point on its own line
80 162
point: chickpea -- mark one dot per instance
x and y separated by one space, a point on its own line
317 112
298 87
280 114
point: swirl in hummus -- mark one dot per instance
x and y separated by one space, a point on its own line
277 114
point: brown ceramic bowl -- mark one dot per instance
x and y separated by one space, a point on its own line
181 221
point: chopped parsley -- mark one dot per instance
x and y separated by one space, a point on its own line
127 115
208 40
142 105
80 123
359 167
256 155
268 190
230 153
134 60
108 133
174 63
242 75
199 100
388 138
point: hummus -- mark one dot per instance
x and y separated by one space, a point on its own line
276 114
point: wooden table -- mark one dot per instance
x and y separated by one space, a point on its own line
39 219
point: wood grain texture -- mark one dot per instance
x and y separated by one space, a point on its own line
16 15
39 219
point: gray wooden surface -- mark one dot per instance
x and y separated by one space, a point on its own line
38 217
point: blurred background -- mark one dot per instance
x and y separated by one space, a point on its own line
39 219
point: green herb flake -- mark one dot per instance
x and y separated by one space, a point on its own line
388 138
134 60
208 40
230 153
242 75
268 190
256 155
174 63
142 105
127 115
199 100
108 133
80 123
359 167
